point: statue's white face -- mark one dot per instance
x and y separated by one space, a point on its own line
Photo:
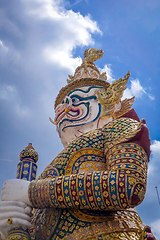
79 112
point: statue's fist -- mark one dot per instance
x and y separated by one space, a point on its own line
13 214
16 190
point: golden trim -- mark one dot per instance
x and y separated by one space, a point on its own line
88 218
82 82
75 156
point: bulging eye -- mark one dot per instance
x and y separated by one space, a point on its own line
75 100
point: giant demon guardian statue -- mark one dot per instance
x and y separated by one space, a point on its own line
90 189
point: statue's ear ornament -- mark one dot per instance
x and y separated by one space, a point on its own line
112 95
126 105
114 92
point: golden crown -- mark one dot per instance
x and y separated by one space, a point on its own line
88 74
85 74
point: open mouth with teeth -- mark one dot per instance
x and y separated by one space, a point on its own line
74 112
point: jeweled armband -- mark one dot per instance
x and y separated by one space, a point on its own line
38 193
129 161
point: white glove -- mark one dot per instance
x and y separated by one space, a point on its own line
16 190
17 212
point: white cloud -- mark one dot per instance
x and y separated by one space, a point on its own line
22 111
9 25
39 53
7 92
63 58
109 72
10 94
151 169
154 166
9 55
3 51
2 47
72 30
155 147
151 196
155 226
45 9
52 34
136 90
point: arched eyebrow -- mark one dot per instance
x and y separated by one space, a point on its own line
83 98
81 90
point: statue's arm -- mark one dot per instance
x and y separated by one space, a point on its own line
123 185
127 167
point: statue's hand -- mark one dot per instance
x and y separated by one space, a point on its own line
13 214
16 190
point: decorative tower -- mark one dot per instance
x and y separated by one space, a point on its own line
26 170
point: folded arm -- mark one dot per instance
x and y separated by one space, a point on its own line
123 185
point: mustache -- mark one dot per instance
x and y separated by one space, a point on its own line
98 115
76 120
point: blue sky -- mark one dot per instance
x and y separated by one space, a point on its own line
42 41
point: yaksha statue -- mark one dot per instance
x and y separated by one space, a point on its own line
90 189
